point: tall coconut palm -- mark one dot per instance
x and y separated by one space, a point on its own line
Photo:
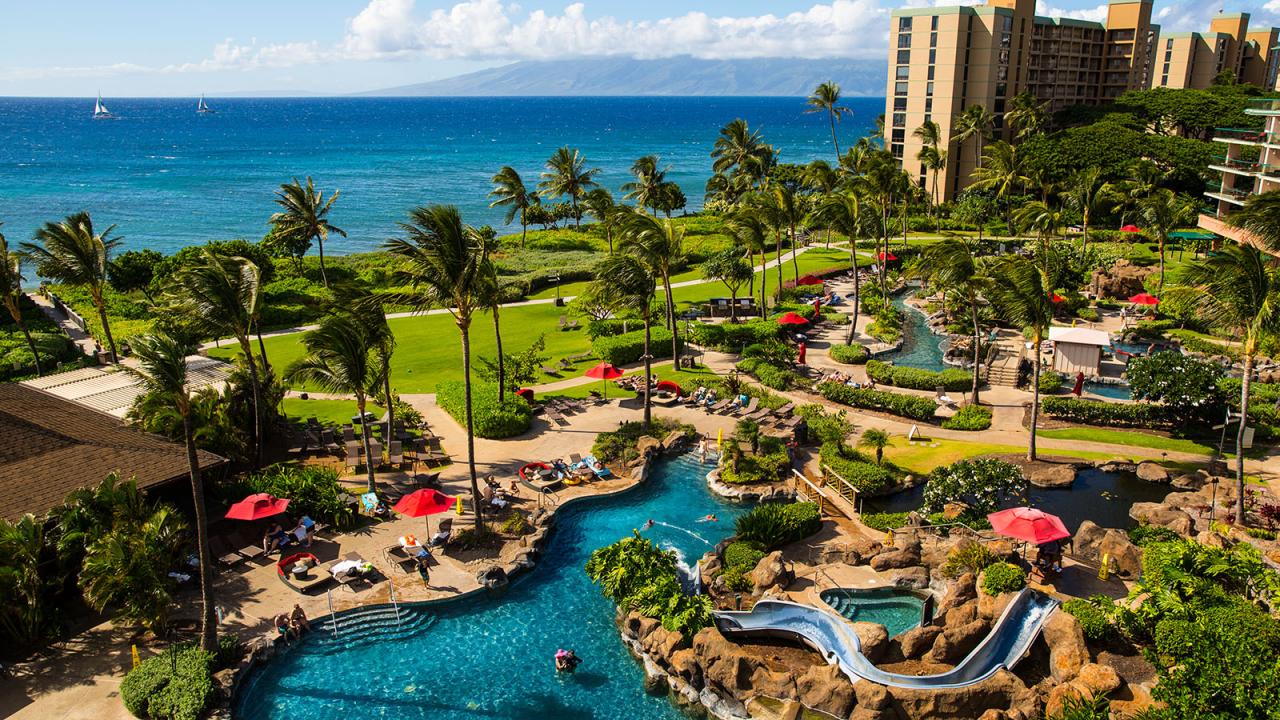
223 294
1238 289
787 207
659 245
599 204
1040 219
162 371
741 149
879 185
1020 293
445 266
843 211
1028 114
767 207
1002 173
1084 195
339 359
510 194
974 122
1261 219
826 99
71 252
747 225
11 293
647 188
1162 212
489 290
933 160
630 284
875 439
304 218
951 265
567 174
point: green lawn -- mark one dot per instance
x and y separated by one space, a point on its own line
1128 437
688 379
921 458
328 412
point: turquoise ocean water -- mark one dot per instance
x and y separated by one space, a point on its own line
169 177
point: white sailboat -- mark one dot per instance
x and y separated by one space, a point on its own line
100 111
202 108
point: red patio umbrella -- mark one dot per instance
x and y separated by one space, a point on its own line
1056 298
605 372
809 280
792 319
670 386
817 307
1130 229
1023 523
800 359
1079 386
256 507
1145 299
425 502
887 258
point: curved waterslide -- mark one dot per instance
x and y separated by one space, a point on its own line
833 637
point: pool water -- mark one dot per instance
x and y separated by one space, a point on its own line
920 347
491 657
1108 390
1099 496
897 610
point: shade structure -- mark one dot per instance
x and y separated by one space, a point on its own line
258 506
809 280
424 503
887 258
1028 524
1145 299
1130 229
792 319
670 386
604 372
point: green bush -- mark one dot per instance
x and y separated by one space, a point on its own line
728 337
1143 534
169 688
908 406
312 491
951 379
884 521
1094 615
736 581
773 377
1002 577
515 524
767 466
980 483
1087 314
638 575
619 446
743 555
1050 382
849 354
773 525
492 419
1261 533
867 477
971 557
1097 412
969 417
628 347
794 293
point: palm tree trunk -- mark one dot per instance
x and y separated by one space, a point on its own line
977 346
30 343
751 283
386 392
370 462
262 348
524 231
853 260
106 326
1162 265
764 281
577 219
675 329
464 326
323 278
795 248
733 304
831 116
1245 383
255 388
502 373
648 370
208 621
1084 239
778 242
1035 400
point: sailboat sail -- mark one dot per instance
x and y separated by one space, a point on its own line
100 110
202 107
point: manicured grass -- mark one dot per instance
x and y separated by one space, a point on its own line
688 379
921 458
1128 437
327 412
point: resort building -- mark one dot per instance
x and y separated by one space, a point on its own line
943 60
1193 60
1251 166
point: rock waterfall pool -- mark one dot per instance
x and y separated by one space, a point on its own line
491 657
920 347
897 610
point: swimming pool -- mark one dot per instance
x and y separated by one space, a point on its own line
920 347
1109 390
897 610
492 657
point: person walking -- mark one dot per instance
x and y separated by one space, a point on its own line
424 571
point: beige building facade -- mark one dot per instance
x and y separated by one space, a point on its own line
1193 59
1251 166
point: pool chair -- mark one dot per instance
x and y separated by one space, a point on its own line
590 463
371 504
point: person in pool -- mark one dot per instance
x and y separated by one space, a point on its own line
567 660
648 524
709 518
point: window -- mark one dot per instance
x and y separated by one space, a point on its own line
904 40
928 89
1168 55
1164 79
900 88
933 56
904 24
931 69
928 106
1169 44
899 135
899 103
933 23
1001 89
899 119
896 150
933 39
1002 73
904 57
1006 23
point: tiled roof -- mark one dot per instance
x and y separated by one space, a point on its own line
50 446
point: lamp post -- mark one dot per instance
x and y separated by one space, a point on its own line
556 279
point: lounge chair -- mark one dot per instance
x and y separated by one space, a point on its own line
425 480
395 453
943 399
353 456
575 458
348 434
442 536
719 406
549 370
375 449
750 408
400 557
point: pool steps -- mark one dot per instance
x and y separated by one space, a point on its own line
373 624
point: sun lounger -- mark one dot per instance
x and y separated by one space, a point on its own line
549 370
750 408
720 406
348 433
401 557
395 454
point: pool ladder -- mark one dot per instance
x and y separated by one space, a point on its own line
333 618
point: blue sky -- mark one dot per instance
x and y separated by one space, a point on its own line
163 47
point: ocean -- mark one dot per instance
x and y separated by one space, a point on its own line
168 177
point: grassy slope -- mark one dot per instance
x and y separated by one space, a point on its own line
921 458
1128 437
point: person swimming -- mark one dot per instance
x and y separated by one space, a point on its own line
648 524
709 518
567 660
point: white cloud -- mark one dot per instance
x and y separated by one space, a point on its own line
1093 14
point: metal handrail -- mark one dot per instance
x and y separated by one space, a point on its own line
333 619
395 605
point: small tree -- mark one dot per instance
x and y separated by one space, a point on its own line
729 267
1186 385
876 440
981 484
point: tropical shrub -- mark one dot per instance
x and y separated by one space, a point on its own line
969 417
846 462
765 466
638 575
735 580
1261 533
492 419
1002 577
1143 534
1183 383
743 555
1050 382
1080 707
312 491
628 347
966 557
849 354
773 377
885 521
175 685
1094 615
951 379
1097 412
908 406
981 484
619 446
515 524
733 338
824 426
773 525
796 293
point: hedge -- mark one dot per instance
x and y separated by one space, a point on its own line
629 347
952 379
849 354
908 406
867 477
1002 577
493 420
743 555
774 525
969 417
161 687
1097 412
730 337
1050 382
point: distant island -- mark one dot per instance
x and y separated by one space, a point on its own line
791 77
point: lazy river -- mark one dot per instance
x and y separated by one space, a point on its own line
920 347
491 657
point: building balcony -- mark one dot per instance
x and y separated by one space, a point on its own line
1243 136
1240 166
1263 106
1216 225
1231 195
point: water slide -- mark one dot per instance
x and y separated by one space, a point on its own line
833 637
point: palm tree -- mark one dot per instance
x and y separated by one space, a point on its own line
843 212
600 205
630 284
1041 219
127 568
876 440
788 212
880 184
162 370
1028 114
647 187
339 359
1084 195
1261 219
71 252
935 161
1002 173
1239 289
445 267
1018 290
748 228
741 149
951 265
305 218
223 294
510 193
567 174
1163 212
489 290
659 245
974 122
11 293
826 98
23 615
